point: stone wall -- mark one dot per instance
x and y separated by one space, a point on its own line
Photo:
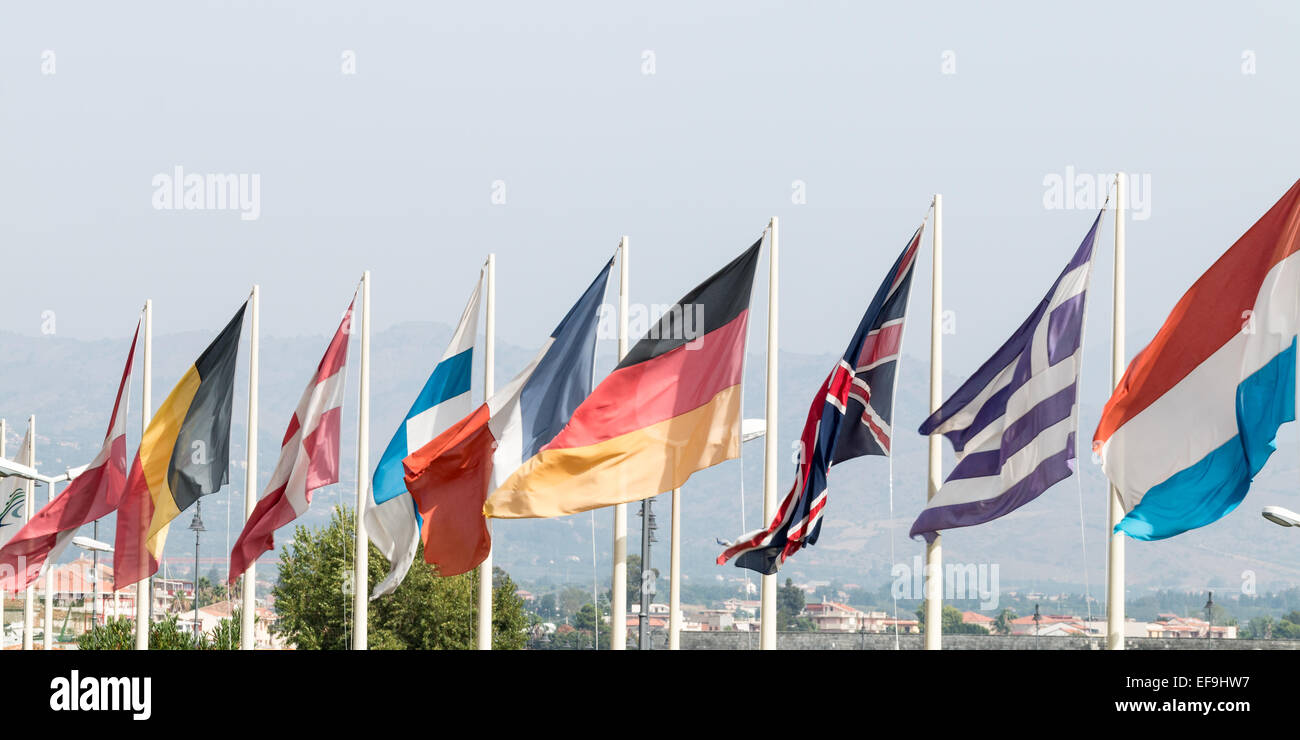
865 641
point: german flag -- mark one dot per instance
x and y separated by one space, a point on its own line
184 454
670 408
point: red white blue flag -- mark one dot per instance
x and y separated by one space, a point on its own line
851 416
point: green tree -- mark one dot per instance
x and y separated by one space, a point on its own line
311 594
1288 627
547 607
1002 624
571 600
210 592
314 601
166 634
225 636
634 581
119 634
578 636
789 608
1259 628
115 634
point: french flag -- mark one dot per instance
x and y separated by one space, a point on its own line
1194 417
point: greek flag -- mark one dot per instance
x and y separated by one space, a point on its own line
1012 424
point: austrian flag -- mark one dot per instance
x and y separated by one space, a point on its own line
309 456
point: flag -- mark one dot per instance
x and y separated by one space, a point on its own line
184 454
451 476
14 491
392 520
1012 423
309 455
1194 416
851 415
92 494
671 407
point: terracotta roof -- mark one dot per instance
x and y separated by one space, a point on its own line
655 621
976 618
221 609
829 606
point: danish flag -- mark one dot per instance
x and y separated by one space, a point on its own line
850 417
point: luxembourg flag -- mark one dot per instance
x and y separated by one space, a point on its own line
392 519
1193 419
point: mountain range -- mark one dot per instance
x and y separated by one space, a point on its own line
1055 543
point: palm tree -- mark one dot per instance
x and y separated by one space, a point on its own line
1002 624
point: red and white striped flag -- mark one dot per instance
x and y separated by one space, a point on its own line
94 493
309 456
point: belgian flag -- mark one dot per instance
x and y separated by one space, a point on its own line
184 454
670 408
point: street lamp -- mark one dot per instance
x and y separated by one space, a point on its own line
1209 616
197 525
1037 618
1281 516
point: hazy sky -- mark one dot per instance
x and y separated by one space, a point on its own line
872 106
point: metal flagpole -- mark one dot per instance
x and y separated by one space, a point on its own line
934 550
360 574
47 618
643 606
29 503
675 574
248 611
618 581
489 387
767 635
1115 559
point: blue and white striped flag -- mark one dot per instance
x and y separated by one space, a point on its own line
392 520
1012 424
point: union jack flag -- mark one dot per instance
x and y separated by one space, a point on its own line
850 416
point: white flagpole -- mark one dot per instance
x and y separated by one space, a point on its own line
675 575
248 611
47 618
4 431
360 583
618 581
142 589
934 550
767 635
1115 559
489 387
29 503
